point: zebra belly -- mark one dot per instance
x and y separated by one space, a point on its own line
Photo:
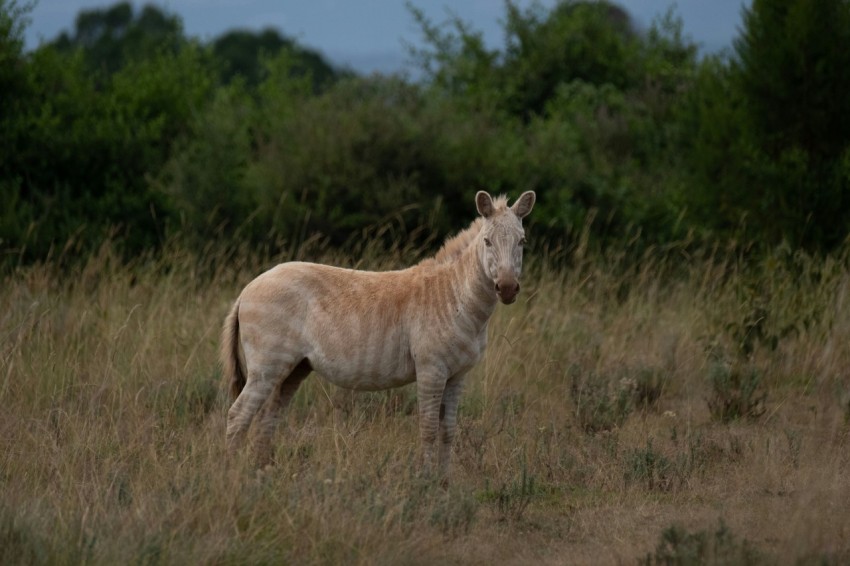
362 360
349 372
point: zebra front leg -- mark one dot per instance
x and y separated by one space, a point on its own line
448 422
429 392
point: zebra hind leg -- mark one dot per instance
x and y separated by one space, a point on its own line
261 382
273 409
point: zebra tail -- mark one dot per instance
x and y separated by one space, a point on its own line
233 371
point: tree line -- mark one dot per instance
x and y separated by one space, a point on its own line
126 128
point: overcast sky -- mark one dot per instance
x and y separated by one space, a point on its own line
369 35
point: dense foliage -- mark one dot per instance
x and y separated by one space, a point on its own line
772 136
126 128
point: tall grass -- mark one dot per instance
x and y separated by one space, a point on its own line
113 420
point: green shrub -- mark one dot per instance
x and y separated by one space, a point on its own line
19 542
678 547
84 148
736 392
602 402
204 176
512 498
649 467
649 385
770 141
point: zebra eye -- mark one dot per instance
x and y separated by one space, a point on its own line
487 242
522 241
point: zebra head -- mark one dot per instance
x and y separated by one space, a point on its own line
502 238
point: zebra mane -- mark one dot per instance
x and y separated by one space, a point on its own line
454 247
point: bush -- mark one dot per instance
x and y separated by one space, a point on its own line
770 144
736 392
365 154
513 497
678 547
593 102
204 177
601 402
650 384
127 128
649 467
84 151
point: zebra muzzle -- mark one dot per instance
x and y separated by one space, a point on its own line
507 291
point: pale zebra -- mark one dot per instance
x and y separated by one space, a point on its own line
375 330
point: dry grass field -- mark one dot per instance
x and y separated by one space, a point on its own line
692 410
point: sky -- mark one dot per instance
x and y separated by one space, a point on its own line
370 35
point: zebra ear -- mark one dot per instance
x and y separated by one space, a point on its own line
523 205
484 203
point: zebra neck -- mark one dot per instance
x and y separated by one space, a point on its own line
476 293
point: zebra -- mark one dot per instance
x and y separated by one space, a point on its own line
368 330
